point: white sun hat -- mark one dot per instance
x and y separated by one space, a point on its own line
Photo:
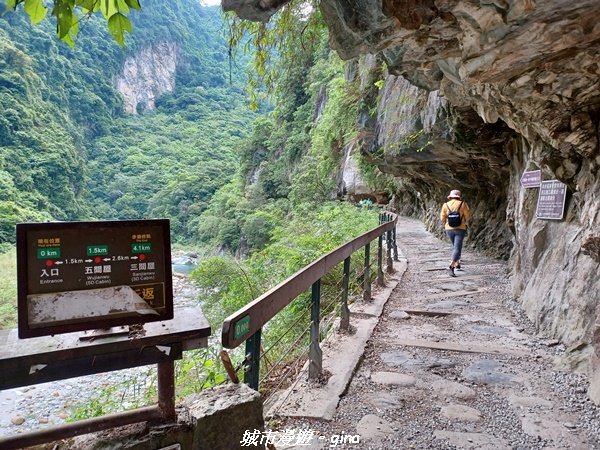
455 193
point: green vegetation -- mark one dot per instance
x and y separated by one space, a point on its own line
282 211
258 189
289 162
8 290
199 369
69 152
227 284
170 162
283 46
70 13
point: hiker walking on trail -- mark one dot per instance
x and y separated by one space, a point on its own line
455 214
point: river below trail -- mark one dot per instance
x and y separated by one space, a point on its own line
48 404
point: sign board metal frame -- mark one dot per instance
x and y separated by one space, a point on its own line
551 199
43 359
81 263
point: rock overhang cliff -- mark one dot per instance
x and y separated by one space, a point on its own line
476 93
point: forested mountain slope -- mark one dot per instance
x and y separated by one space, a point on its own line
276 183
69 151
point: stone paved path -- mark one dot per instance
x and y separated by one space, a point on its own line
453 363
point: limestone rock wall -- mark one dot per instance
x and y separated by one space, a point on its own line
434 148
556 264
520 83
350 181
147 75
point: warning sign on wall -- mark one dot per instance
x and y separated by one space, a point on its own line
531 179
551 200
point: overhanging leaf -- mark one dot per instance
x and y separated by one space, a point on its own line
118 24
135 4
36 10
69 38
122 6
109 8
64 16
87 5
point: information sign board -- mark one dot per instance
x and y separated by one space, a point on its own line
531 179
551 200
75 276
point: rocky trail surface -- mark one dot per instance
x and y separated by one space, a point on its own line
454 364
34 407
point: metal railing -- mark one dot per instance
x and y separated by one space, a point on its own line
246 324
66 356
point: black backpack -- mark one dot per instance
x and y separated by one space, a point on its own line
454 218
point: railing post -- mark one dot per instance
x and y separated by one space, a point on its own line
252 370
367 275
166 389
390 264
395 247
380 281
344 311
315 366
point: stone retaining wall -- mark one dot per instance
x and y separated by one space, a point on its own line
215 419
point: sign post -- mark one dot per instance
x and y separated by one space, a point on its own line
551 200
531 179
75 276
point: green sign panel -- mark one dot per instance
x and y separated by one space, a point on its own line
97 250
76 276
145 247
51 252
241 327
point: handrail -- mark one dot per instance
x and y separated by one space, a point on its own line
67 356
265 307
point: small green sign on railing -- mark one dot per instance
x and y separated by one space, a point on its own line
241 327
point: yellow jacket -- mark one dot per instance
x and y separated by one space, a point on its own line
464 213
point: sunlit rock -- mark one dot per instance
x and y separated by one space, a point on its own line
147 75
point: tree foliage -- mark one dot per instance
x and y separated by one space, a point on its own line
69 14
292 157
227 283
69 152
291 34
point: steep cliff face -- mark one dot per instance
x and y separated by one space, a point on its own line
477 93
433 147
147 75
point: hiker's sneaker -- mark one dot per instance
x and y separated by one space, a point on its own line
450 271
458 267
